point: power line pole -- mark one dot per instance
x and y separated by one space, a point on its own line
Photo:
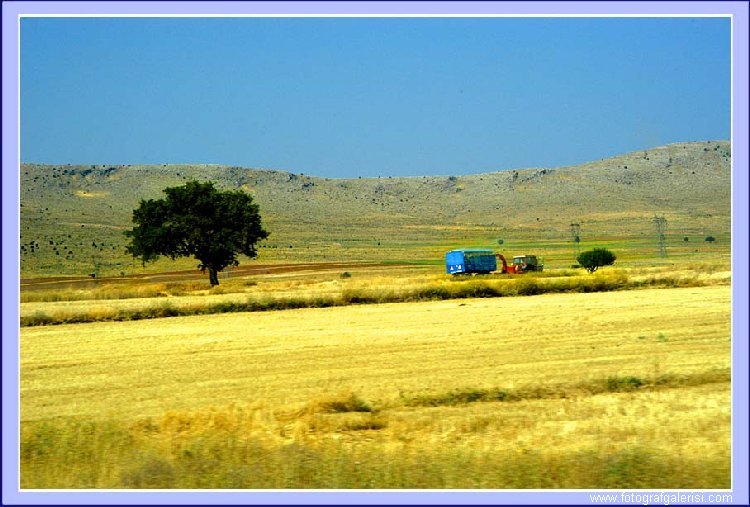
661 226
575 236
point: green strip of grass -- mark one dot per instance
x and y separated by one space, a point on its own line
612 384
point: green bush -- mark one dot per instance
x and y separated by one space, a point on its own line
528 287
596 258
38 318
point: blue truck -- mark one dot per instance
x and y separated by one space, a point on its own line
470 260
476 260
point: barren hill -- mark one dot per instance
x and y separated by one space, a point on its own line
73 216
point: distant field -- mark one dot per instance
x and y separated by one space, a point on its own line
283 287
619 389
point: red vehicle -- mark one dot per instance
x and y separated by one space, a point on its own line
521 264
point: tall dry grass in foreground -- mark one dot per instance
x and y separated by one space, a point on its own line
344 443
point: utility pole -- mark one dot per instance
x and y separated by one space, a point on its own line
575 236
661 226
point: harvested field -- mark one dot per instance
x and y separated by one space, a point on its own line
586 376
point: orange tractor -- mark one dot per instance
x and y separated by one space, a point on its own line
521 264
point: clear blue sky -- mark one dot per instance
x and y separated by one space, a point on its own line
367 97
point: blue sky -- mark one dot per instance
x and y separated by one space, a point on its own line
350 97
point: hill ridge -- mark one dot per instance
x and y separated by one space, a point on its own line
689 183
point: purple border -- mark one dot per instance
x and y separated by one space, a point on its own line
740 232
10 232
376 7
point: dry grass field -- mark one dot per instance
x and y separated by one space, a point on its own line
135 300
614 389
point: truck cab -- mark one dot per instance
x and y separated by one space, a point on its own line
526 263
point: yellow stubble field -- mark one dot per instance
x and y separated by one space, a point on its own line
246 384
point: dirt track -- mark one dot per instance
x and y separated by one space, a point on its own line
66 282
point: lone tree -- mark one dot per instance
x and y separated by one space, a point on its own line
200 221
594 259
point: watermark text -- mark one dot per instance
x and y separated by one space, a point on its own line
663 498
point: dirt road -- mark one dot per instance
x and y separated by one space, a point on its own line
78 282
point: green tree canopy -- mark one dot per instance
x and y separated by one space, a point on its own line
594 259
200 221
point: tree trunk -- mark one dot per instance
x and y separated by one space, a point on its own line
213 276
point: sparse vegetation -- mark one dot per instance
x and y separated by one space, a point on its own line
337 219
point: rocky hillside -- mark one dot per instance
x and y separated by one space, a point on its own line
73 214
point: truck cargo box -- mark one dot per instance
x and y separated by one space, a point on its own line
470 261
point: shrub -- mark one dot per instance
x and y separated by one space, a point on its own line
38 318
619 384
351 403
710 239
596 258
528 287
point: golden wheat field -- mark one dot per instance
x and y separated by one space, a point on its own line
609 389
